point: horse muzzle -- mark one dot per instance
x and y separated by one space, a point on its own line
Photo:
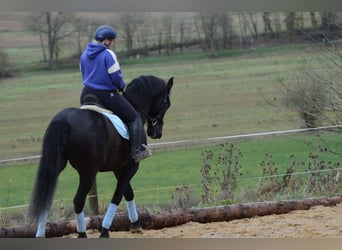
154 133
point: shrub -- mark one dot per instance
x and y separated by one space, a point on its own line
4 65
309 99
219 178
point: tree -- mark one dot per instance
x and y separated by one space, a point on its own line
243 24
130 23
328 21
50 27
314 22
308 98
225 22
316 93
209 22
143 40
182 30
291 25
81 28
167 26
253 19
266 17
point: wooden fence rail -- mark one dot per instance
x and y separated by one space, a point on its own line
177 217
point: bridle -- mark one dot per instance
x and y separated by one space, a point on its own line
155 119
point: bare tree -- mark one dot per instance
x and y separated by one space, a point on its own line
253 19
277 23
167 26
267 23
314 22
209 23
328 22
244 25
50 27
182 30
199 32
308 97
36 24
317 92
130 23
290 21
143 39
81 29
225 21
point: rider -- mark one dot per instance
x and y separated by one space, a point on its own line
102 77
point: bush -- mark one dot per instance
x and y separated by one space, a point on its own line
310 100
219 176
4 65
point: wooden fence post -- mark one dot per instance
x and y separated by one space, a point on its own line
93 200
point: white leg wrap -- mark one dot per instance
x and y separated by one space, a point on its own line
132 211
80 222
42 225
108 219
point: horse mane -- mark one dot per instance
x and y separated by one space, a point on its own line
145 87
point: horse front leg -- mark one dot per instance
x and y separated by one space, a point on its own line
123 183
135 226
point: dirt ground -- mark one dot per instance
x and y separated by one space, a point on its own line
318 222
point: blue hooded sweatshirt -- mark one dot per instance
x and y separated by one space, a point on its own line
100 68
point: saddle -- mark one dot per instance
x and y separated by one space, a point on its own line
92 102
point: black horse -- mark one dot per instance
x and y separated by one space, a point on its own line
90 143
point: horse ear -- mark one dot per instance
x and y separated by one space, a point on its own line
169 84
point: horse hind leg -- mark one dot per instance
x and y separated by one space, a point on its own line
40 233
85 184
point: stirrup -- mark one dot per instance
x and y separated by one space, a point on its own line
142 154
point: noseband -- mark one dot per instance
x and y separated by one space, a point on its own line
154 119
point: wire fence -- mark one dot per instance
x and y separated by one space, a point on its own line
188 143
160 190
170 189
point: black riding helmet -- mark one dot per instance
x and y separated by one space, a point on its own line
104 32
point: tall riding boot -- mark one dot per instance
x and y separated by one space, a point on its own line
138 151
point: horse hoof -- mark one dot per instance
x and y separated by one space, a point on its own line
104 233
135 227
82 235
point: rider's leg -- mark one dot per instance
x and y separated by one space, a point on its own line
122 108
138 151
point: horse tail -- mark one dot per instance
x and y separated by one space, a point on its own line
52 162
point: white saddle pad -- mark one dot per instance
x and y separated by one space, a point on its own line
118 124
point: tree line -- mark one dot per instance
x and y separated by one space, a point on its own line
316 95
142 33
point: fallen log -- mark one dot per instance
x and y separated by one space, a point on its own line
175 218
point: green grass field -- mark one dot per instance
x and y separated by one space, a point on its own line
210 98
159 176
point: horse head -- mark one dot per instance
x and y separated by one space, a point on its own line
155 119
150 96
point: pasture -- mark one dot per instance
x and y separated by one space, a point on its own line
211 97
